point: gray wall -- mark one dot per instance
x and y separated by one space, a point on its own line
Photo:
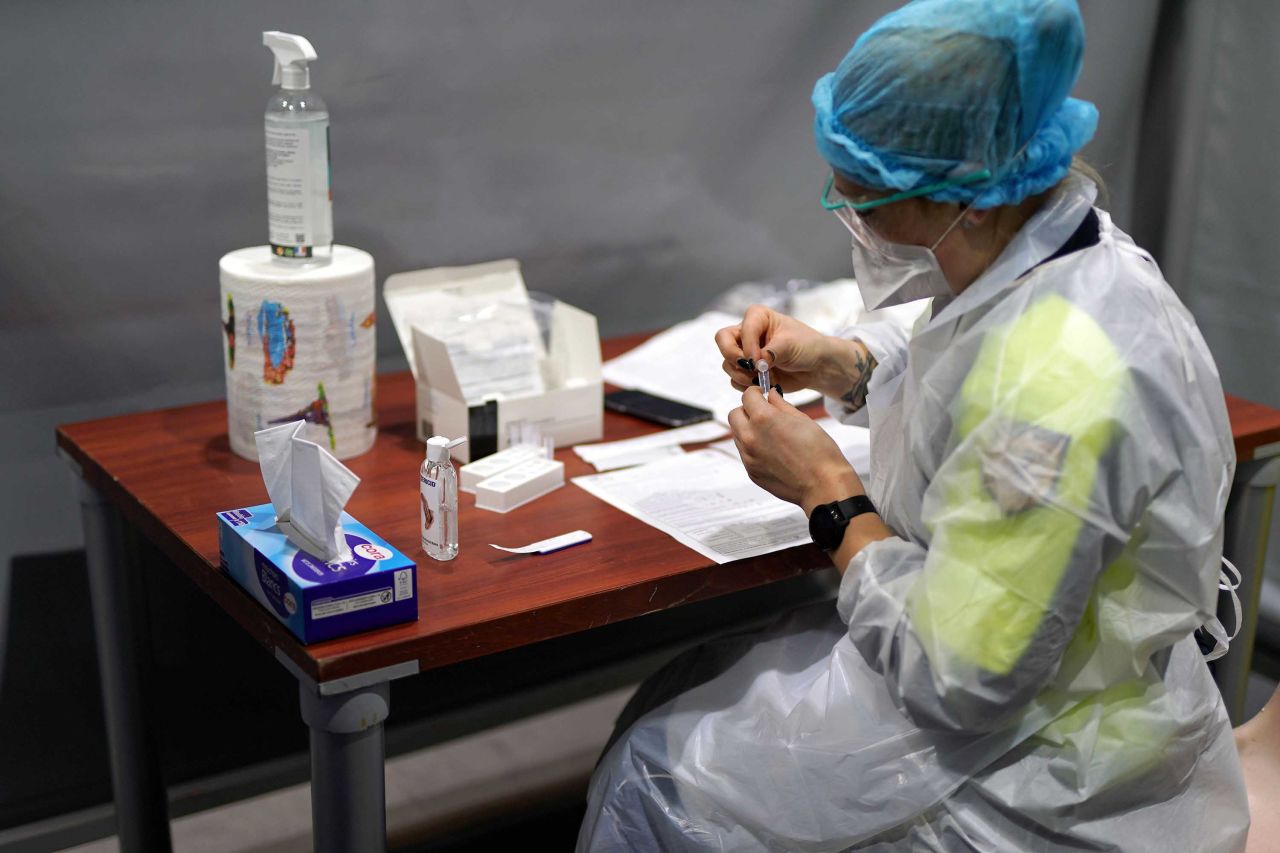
1221 187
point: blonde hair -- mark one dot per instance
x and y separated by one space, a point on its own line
1081 167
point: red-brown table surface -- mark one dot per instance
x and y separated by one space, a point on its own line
1253 426
170 471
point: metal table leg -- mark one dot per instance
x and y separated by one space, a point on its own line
142 818
348 798
1247 529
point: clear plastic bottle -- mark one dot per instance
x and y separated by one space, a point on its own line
299 201
438 499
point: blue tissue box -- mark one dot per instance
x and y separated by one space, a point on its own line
317 600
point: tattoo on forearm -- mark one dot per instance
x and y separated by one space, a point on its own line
856 397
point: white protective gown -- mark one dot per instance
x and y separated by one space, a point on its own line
1015 669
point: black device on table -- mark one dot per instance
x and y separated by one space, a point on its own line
653 408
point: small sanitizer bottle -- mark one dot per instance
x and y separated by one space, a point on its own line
438 485
299 201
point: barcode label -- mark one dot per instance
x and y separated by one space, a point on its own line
338 606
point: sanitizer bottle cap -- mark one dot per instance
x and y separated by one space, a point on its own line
438 447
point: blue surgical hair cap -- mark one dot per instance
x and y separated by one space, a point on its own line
943 88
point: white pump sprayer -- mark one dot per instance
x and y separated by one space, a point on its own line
292 55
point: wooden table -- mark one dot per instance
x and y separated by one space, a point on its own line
1255 427
166 473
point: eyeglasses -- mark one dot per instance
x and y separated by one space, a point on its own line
851 214
832 200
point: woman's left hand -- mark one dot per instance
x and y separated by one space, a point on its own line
788 455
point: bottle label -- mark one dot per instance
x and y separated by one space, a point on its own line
299 203
432 526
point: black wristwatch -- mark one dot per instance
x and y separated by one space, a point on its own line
828 521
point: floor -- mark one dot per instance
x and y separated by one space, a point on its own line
519 781
491 791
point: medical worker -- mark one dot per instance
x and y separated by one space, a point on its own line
1010 665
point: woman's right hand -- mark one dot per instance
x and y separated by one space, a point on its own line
798 355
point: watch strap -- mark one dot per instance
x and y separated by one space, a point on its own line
828 522
854 506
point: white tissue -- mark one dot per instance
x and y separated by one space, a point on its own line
308 487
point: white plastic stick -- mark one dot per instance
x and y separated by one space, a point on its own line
546 546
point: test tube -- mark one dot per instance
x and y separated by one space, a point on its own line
762 370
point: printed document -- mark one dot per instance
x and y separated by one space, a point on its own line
606 456
704 500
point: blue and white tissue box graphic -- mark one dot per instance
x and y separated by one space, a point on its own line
314 599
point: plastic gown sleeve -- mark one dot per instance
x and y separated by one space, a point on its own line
885 333
968 629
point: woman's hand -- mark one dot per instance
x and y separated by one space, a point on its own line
798 355
788 455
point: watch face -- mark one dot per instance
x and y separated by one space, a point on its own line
826 527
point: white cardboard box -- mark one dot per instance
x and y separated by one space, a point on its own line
570 405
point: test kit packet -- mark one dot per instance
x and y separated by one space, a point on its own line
317 600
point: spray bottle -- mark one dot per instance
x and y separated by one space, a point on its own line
438 484
299 201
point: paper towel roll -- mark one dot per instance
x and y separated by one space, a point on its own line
299 344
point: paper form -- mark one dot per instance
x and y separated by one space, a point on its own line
683 364
640 456
609 455
705 501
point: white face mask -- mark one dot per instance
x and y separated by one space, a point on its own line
893 273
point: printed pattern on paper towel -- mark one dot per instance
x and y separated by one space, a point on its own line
279 345
229 328
309 353
316 412
339 336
